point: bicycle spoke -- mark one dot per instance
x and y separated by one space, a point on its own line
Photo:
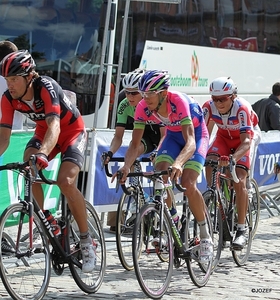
88 282
153 263
126 216
25 272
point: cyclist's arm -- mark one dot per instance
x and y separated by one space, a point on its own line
162 135
244 146
5 134
210 126
132 151
117 139
51 135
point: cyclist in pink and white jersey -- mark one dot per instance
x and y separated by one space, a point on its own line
235 132
184 146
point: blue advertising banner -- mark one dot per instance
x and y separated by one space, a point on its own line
268 153
102 193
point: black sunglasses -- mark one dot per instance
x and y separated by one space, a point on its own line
131 93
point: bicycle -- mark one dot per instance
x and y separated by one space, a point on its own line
220 200
154 264
128 207
26 271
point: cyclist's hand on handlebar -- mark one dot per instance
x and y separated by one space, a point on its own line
176 172
41 161
124 171
224 161
106 156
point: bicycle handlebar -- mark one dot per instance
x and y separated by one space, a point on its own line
153 175
121 159
232 166
23 166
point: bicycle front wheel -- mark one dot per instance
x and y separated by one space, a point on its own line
212 204
152 251
241 256
126 216
25 272
87 282
255 204
199 271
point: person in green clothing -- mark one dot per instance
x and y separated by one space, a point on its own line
125 119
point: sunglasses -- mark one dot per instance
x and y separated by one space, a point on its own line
221 99
131 93
149 94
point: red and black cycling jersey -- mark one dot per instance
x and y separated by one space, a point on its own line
49 100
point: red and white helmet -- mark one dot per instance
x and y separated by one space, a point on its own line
222 86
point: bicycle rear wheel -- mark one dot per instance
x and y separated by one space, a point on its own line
126 216
198 271
255 204
87 282
153 264
241 256
25 272
211 201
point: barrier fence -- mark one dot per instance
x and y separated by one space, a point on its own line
101 192
98 188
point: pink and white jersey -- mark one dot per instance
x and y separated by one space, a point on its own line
178 113
231 125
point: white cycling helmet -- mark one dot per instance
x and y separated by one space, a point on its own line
130 80
222 86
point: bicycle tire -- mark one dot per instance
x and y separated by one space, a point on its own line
126 216
87 282
211 201
199 272
29 275
241 256
152 271
255 204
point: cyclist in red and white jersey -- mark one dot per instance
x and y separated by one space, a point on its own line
234 134
59 129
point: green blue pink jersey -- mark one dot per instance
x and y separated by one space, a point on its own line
182 110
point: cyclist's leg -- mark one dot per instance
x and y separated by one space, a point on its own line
191 172
241 200
72 161
169 149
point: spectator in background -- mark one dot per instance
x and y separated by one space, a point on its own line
7 47
268 110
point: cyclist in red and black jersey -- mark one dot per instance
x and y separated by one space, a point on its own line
59 129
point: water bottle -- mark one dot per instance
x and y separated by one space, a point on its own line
53 222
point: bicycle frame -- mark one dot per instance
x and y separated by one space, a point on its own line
226 199
32 206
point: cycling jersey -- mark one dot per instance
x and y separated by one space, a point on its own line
182 110
125 118
232 124
49 100
237 121
178 113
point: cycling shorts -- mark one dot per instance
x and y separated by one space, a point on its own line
173 144
72 148
222 146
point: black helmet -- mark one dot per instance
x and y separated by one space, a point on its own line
18 63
